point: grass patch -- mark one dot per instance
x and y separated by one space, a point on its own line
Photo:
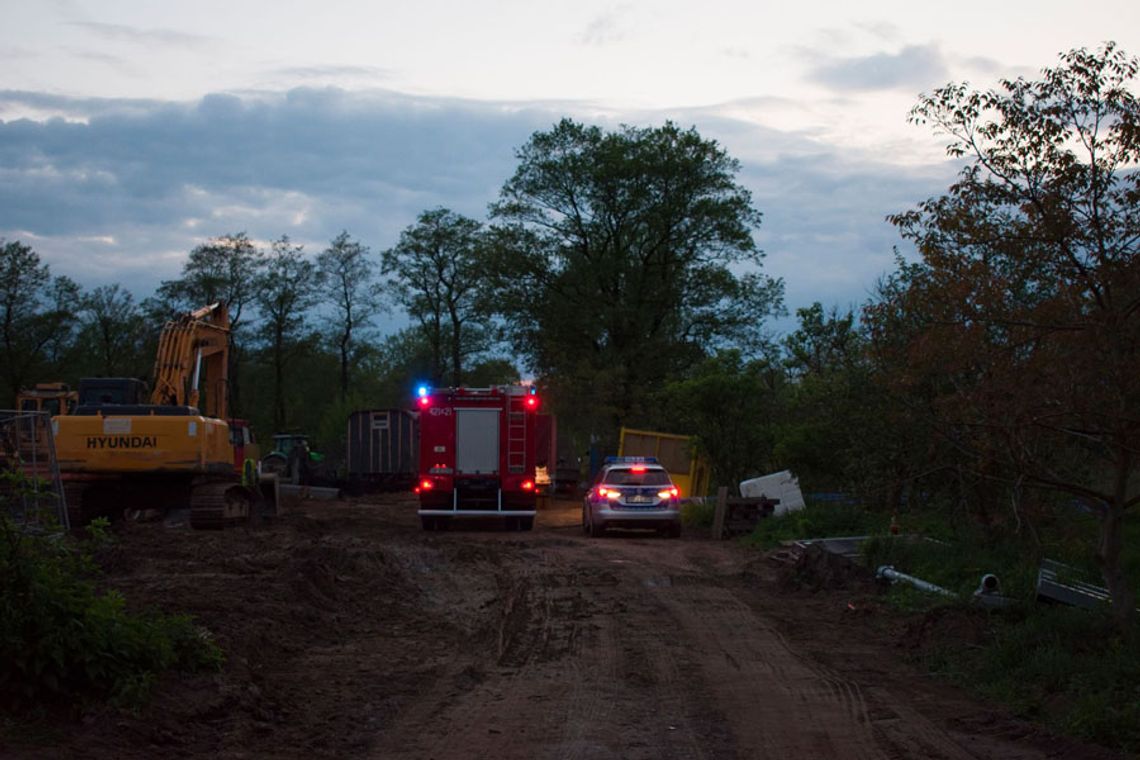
817 520
1064 667
698 514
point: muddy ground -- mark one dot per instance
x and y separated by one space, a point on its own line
349 632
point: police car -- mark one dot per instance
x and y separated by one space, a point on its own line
632 492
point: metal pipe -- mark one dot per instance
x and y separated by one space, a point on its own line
889 572
988 585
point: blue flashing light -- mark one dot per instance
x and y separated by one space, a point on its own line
422 391
630 460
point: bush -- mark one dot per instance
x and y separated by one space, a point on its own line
817 520
64 643
1064 666
698 514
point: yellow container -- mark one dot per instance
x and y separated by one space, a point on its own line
690 473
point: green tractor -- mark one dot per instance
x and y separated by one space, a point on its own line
292 460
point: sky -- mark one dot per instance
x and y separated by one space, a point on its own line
132 131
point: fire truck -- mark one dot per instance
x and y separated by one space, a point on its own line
477 455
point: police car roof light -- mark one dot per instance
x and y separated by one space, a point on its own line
631 460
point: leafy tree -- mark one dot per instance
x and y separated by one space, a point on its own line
285 291
36 317
1021 323
824 343
623 259
224 269
731 405
350 284
438 272
819 426
402 361
113 329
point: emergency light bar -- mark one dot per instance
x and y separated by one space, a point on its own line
630 460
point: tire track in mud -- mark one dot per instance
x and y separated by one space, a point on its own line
490 698
774 702
639 648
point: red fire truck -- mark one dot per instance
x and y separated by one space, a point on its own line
477 455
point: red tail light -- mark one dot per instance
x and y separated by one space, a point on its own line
637 468
425 402
608 493
528 485
426 484
669 493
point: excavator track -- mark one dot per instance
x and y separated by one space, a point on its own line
218 505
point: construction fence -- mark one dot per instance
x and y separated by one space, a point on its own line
31 494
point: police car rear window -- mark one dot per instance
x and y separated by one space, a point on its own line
631 478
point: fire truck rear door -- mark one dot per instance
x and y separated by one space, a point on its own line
476 441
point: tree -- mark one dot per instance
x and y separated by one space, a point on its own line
36 316
1021 323
224 269
623 259
113 331
349 279
822 422
285 292
731 405
438 272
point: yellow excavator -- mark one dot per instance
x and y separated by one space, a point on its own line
124 449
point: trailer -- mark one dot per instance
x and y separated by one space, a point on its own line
382 450
478 453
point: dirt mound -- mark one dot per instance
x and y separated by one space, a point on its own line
816 569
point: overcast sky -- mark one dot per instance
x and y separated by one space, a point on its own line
133 130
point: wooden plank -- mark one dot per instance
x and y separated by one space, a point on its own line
718 515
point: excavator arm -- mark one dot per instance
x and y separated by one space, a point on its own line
194 345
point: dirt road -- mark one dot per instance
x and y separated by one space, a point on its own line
352 633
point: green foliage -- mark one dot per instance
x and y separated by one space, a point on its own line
113 327
1070 668
1018 332
62 642
285 292
37 314
439 272
817 520
698 514
622 260
349 284
731 404
1066 667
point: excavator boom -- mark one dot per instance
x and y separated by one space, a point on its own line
187 343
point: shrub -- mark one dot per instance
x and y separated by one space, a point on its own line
62 642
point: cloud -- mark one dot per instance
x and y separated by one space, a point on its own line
120 190
912 68
607 28
124 33
310 73
156 176
825 230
